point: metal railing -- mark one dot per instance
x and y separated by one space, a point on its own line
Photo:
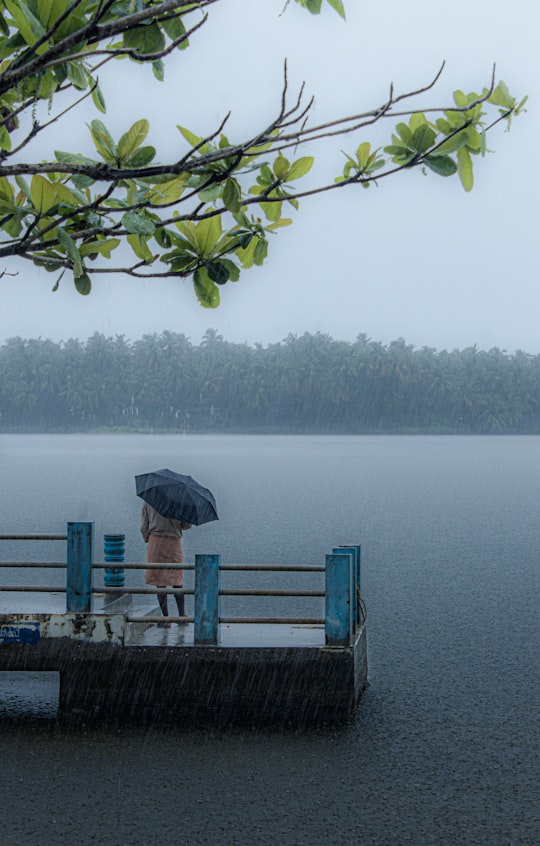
344 607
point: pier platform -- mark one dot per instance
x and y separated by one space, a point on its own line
119 661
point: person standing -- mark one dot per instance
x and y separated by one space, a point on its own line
164 545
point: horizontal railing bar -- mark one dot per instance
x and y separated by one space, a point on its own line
188 592
305 621
33 537
45 564
143 590
123 566
296 621
33 588
263 568
250 592
280 568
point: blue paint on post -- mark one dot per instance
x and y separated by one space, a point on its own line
79 567
338 624
114 550
355 551
207 600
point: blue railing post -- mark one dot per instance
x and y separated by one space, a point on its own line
355 551
338 623
207 600
79 567
114 551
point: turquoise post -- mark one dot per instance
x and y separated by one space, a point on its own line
114 551
338 624
355 551
207 600
80 538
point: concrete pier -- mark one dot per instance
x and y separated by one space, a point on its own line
116 671
119 662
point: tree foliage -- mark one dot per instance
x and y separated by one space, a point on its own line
309 383
207 215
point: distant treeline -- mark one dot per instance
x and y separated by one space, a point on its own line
310 383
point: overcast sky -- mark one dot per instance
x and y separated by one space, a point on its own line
416 257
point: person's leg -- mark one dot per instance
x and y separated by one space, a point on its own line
162 599
180 603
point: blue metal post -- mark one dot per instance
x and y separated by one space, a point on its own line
114 550
339 606
79 567
207 600
355 551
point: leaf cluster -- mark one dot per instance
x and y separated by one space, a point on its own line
209 214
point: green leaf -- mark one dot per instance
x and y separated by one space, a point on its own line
140 247
279 224
474 141
42 193
272 210
206 291
460 99
173 27
98 99
104 247
132 139
405 134
260 252
47 85
465 168
49 11
6 190
451 145
232 196
398 152
78 75
281 167
218 272
23 185
423 138
28 25
443 165
234 271
417 120
68 244
338 6
265 177
166 192
211 193
300 167
137 224
83 284
146 39
158 69
193 140
207 233
103 140
502 97
142 157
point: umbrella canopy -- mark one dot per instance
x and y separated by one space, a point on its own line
177 496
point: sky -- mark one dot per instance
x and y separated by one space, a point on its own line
414 258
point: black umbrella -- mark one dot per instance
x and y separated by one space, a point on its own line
176 496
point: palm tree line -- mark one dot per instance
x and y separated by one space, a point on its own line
307 383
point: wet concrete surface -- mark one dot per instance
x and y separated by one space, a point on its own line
232 634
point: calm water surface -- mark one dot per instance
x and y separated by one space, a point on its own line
444 747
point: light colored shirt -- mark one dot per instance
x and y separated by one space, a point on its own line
153 523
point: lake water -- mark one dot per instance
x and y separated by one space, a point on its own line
444 747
